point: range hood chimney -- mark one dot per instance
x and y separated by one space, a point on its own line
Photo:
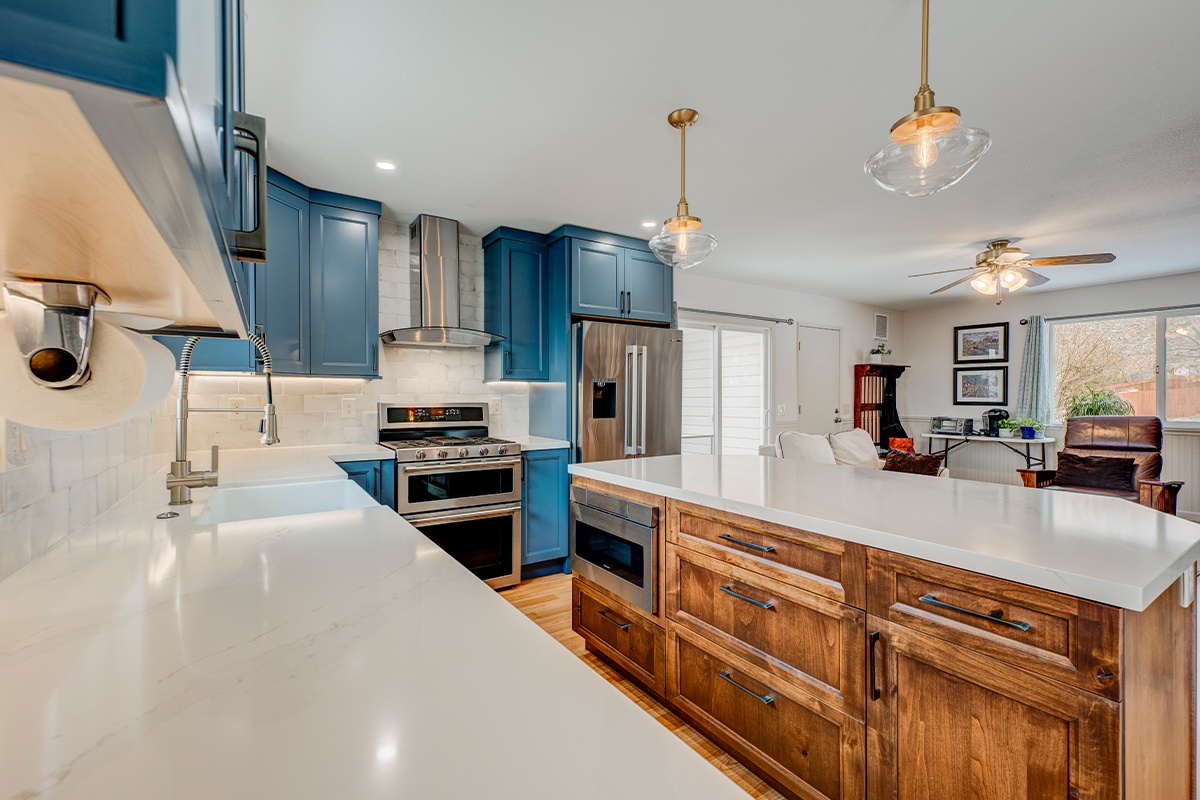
433 252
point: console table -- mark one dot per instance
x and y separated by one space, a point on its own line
1030 458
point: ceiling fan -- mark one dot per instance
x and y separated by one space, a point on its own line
1002 268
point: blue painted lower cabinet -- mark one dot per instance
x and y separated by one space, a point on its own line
377 478
545 527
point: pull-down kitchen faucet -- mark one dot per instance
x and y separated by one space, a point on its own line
182 480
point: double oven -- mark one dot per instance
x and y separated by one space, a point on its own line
458 486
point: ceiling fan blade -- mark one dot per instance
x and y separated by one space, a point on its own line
1061 261
952 285
1034 278
940 272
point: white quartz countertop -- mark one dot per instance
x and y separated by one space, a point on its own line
1098 548
333 655
528 442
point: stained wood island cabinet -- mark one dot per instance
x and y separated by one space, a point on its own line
840 671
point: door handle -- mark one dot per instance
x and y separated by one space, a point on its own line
250 136
621 304
873 640
375 357
768 604
628 302
766 699
508 362
641 448
933 601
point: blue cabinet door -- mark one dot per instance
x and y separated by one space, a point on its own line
377 478
282 285
649 287
597 279
545 530
524 311
344 291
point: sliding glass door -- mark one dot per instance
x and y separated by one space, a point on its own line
725 392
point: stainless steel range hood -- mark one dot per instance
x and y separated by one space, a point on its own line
433 252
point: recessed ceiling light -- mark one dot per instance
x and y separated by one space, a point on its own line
649 224
385 165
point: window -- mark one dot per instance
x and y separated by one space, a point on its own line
1151 361
724 388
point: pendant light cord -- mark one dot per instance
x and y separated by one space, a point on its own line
925 44
683 161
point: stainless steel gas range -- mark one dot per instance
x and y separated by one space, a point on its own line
459 486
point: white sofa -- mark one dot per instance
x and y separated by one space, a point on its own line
848 449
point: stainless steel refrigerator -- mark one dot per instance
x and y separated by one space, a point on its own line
628 394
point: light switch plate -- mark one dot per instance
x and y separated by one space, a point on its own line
494 407
779 410
845 408
237 402
348 411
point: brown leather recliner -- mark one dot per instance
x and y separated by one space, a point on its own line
1139 438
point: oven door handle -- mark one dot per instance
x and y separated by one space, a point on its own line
443 467
465 516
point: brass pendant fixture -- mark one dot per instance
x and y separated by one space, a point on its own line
681 243
929 150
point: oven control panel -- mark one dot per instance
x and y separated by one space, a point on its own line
465 414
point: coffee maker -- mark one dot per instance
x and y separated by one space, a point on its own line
991 421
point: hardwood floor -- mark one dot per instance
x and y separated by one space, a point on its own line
547 601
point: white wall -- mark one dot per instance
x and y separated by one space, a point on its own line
926 388
856 321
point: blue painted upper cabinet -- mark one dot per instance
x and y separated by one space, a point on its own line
516 306
616 277
545 529
282 286
344 294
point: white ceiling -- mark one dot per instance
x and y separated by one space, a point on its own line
534 114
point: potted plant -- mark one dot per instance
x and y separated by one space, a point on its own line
878 352
1030 427
1007 428
1097 403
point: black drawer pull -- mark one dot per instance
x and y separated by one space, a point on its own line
760 603
933 601
873 640
766 699
766 548
622 625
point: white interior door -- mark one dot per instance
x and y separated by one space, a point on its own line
819 379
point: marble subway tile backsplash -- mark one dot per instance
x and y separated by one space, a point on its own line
55 482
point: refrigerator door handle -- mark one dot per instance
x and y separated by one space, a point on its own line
631 405
641 448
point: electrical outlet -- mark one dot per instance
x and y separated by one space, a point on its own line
348 408
494 408
779 410
237 402
3 445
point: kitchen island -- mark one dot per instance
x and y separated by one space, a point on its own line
330 655
857 633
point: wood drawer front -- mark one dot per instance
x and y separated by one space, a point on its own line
808 640
797 742
828 567
629 639
1070 640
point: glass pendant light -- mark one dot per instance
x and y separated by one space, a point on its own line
929 150
681 243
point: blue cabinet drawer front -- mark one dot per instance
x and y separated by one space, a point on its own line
544 523
222 355
344 291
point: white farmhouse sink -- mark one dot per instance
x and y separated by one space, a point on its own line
238 503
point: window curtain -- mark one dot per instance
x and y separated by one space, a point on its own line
1033 396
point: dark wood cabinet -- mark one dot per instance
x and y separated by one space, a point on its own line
637 645
952 722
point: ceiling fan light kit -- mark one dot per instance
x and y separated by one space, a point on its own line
929 150
681 242
1001 268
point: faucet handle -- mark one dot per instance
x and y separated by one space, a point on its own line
215 450
210 477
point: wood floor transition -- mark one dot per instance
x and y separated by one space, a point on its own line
547 601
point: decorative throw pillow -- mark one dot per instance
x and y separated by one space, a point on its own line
916 463
1095 472
805 447
854 449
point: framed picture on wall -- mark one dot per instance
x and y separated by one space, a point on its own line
981 386
974 344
